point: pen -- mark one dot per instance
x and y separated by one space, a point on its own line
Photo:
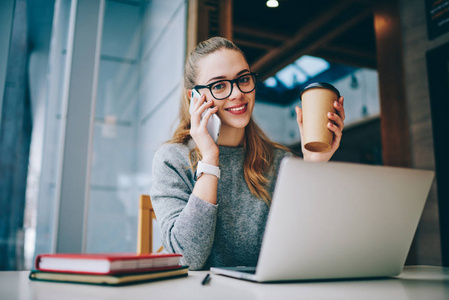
206 279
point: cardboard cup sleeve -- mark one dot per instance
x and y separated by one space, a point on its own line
317 100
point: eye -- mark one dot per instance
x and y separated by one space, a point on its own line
219 86
245 79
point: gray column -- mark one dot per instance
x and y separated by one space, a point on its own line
83 54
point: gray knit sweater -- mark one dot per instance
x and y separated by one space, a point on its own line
226 234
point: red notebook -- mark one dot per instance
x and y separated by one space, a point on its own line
106 263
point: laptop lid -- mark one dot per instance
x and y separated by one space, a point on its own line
340 220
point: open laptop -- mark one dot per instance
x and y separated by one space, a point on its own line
338 220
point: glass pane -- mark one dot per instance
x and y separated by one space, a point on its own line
141 64
51 110
312 65
270 82
291 76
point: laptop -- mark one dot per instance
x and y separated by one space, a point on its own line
338 221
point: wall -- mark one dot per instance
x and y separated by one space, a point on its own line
415 45
141 63
163 54
142 59
111 212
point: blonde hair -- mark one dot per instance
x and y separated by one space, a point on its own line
259 149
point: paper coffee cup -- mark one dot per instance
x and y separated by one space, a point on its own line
318 100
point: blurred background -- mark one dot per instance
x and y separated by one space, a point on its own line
90 89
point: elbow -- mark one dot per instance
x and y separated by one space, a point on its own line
192 256
194 263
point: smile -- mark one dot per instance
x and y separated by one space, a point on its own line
237 109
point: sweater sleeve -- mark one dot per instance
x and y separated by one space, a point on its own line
187 223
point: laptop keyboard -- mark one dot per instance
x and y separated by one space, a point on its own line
248 271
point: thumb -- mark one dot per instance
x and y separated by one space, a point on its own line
298 115
299 120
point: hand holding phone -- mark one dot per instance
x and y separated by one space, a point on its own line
214 123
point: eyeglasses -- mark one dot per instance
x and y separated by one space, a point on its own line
223 89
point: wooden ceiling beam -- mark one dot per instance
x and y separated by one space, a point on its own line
290 50
347 56
350 51
343 59
254 44
257 33
323 19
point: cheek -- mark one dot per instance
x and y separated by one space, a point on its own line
219 104
252 100
209 96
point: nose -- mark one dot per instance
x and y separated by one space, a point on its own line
235 93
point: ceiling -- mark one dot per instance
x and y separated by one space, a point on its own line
340 31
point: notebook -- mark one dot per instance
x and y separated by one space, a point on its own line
338 220
105 263
109 279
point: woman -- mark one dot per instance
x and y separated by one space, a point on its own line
217 216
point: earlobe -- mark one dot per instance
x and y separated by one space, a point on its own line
189 93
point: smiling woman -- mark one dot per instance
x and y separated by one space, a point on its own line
212 200
233 106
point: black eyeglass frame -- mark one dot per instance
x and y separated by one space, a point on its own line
236 80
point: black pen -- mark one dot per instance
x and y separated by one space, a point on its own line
206 279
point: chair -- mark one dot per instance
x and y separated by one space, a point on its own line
145 226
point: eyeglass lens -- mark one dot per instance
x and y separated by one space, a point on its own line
223 89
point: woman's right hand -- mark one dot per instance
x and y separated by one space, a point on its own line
198 130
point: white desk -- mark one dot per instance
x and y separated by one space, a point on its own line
420 282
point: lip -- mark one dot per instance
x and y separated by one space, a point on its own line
242 110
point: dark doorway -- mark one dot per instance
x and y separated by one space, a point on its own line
438 76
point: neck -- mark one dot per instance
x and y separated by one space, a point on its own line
231 137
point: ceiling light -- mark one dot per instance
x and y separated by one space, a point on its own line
272 3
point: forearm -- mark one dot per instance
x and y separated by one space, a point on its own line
191 233
187 223
206 188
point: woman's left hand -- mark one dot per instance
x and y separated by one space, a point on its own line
335 124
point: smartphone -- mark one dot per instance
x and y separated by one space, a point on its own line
214 124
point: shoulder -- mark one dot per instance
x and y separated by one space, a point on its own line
173 154
280 153
170 149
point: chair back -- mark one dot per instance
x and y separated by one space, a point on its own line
145 226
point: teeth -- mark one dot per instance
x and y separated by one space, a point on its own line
237 108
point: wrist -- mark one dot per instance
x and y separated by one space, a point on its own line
204 168
210 160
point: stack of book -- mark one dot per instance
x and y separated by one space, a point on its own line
107 269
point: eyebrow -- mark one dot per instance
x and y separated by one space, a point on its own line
224 77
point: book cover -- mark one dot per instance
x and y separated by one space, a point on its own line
106 263
110 280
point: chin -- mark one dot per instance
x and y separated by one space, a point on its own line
239 123
236 125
